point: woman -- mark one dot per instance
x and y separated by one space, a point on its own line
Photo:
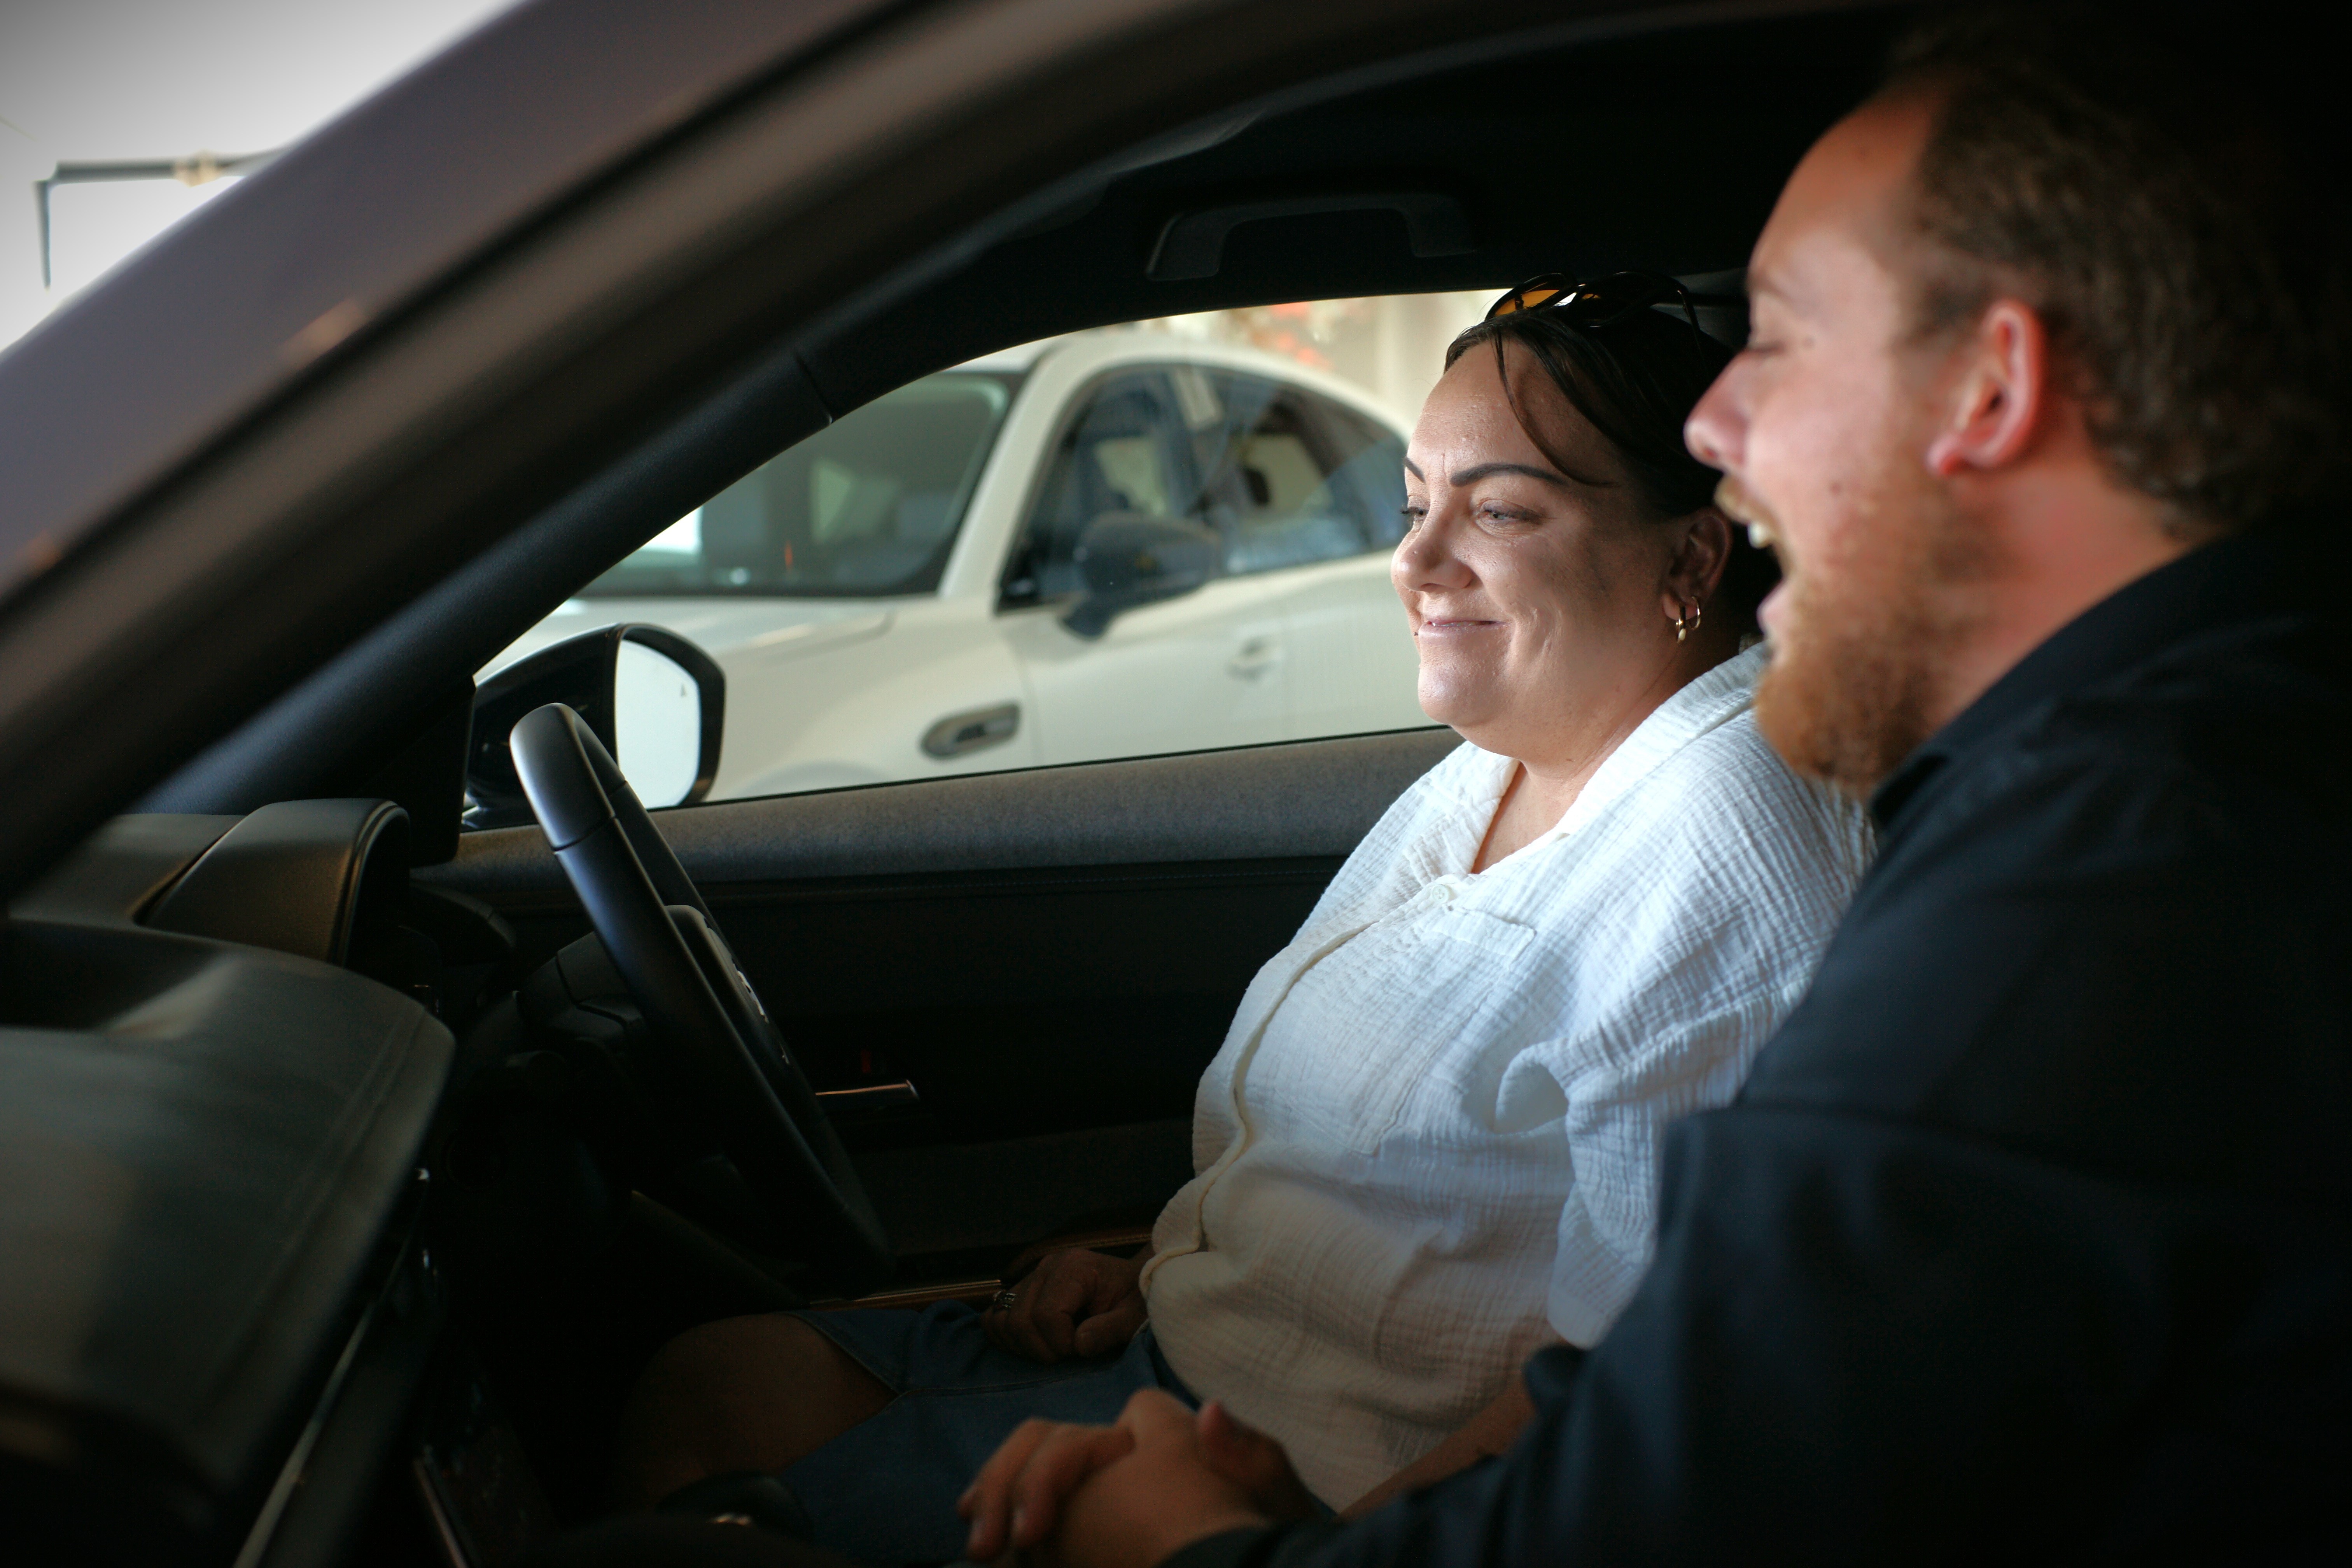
1428 1146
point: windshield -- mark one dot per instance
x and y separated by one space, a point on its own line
867 507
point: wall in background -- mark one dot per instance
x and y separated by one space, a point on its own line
1392 346
87 82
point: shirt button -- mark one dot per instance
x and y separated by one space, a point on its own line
1443 893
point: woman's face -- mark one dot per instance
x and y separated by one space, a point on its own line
1539 599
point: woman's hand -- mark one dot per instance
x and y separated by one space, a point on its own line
1162 1479
1073 1303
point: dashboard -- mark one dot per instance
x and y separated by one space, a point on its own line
219 1062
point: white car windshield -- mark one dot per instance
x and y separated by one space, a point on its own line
867 507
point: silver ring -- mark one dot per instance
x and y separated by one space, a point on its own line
1004 1299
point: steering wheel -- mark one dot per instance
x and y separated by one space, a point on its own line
704 1014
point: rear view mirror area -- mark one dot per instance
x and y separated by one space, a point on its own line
656 700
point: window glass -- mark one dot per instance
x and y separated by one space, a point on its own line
1291 477
866 508
1119 452
1371 472
1284 477
1160 537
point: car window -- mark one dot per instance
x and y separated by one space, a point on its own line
1120 451
867 507
1290 478
1371 472
1283 476
1160 536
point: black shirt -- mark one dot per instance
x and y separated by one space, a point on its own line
2032 1231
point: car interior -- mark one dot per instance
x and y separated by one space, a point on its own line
378 1148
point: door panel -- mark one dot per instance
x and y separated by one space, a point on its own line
1052 956
1308 495
1206 669
962 1207
1020 1003
1353 666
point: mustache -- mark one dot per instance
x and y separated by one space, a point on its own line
1742 505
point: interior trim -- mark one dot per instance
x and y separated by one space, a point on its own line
1316 870
1296 800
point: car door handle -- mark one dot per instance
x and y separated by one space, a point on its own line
972 729
1254 658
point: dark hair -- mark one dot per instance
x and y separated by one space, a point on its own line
1635 381
2158 181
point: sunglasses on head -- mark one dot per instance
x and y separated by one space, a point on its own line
1597 305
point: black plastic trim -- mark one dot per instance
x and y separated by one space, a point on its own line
295 876
1296 799
200 1147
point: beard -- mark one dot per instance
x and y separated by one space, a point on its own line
1861 645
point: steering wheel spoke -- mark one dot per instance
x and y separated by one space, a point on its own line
704 1014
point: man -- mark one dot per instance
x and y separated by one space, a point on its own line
2032 1232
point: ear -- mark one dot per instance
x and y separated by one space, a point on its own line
1699 562
1998 399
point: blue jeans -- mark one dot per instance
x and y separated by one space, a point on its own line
886 1490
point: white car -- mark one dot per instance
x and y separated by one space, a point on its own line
1105 545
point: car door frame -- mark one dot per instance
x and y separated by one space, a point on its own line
390 488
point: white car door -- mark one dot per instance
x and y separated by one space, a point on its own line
1205 667
1309 494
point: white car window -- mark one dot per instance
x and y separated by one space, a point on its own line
1284 476
1290 479
1119 452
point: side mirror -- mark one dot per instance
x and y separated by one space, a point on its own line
1128 559
656 700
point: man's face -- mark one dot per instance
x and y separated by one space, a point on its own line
1822 427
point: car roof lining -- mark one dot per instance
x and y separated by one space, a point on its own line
1609 164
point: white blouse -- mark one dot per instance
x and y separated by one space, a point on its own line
1431 1139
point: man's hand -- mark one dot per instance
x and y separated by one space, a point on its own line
1096 1497
1490 1432
1073 1303
1253 1462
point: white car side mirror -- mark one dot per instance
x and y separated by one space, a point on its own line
656 700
